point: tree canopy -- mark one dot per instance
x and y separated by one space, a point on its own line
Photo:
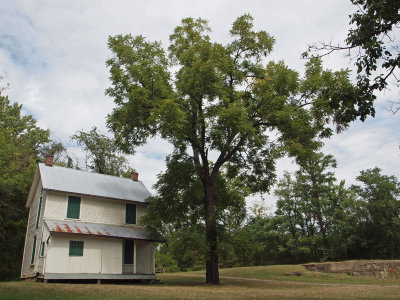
226 109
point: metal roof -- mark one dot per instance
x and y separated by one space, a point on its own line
102 230
94 184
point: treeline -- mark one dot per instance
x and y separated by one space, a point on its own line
316 219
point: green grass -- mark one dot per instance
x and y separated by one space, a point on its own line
266 282
277 273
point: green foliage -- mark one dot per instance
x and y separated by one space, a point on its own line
20 141
381 227
22 128
103 153
166 262
317 215
376 22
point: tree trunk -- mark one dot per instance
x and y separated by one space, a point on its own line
212 273
315 196
322 229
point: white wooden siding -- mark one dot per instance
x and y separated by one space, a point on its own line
42 259
28 269
59 261
100 255
111 256
93 210
144 257
56 207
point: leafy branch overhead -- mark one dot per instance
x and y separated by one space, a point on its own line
372 42
225 102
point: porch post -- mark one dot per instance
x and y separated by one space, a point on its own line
153 260
134 256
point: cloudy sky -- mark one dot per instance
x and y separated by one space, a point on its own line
53 55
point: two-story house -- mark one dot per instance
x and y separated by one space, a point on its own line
84 225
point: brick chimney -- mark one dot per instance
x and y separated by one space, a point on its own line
135 176
48 161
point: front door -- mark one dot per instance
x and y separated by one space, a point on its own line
127 264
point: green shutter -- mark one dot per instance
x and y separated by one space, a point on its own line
74 207
38 212
75 248
42 250
33 250
130 215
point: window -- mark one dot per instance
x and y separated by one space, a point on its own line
130 215
33 250
75 248
38 212
74 207
42 250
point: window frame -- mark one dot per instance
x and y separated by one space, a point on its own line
75 251
33 250
127 219
70 209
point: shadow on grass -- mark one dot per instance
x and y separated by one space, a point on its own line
200 281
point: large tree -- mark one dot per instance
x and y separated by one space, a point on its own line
221 107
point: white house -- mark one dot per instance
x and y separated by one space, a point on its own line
84 225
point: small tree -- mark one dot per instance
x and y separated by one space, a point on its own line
313 210
381 195
223 102
103 153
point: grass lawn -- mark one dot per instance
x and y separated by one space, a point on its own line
277 273
261 283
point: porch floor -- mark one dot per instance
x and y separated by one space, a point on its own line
57 276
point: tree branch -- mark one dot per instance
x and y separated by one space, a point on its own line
225 157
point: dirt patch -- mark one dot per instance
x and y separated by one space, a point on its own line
374 268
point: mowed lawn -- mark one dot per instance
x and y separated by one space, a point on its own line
269 282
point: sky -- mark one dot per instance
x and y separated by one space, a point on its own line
53 53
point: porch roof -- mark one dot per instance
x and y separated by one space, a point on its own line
103 230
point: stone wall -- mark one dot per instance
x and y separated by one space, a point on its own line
375 268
